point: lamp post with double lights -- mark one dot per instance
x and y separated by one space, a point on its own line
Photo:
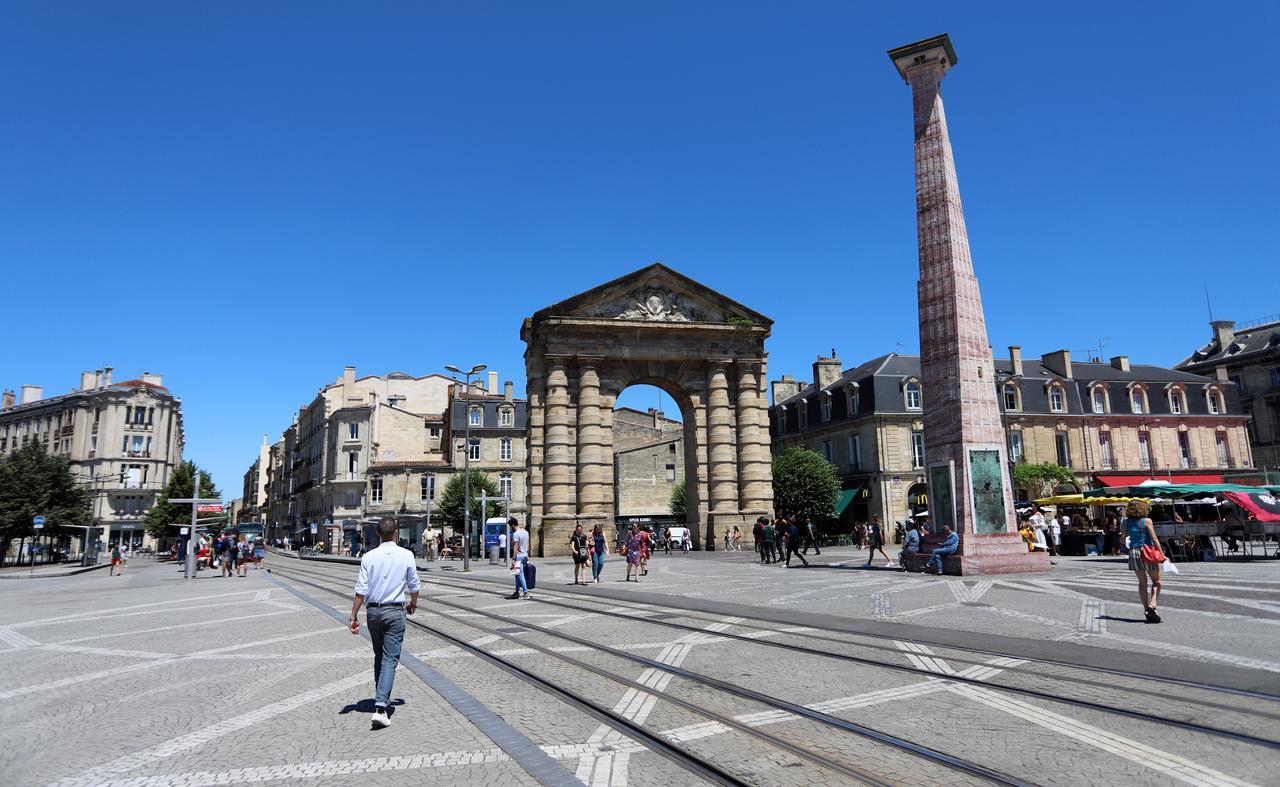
466 463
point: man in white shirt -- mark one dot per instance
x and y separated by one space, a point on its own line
519 556
386 573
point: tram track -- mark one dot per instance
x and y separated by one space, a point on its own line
934 756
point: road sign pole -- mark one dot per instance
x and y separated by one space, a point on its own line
191 539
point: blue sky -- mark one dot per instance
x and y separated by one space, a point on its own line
246 200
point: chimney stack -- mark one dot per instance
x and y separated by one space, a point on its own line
31 393
348 375
785 388
1058 362
88 380
6 400
509 390
1224 333
106 377
826 370
658 418
153 379
1120 362
1015 358
493 382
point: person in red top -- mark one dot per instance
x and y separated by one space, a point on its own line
646 542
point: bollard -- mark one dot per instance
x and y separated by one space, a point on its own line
493 555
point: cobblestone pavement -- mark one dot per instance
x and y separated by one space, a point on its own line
150 680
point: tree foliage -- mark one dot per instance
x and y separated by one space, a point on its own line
678 504
1039 480
450 508
163 514
34 482
804 483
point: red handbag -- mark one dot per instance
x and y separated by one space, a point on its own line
1151 554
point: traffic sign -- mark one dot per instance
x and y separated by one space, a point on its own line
38 521
209 509
313 527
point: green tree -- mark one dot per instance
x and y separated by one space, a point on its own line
34 482
1039 480
163 514
805 483
678 505
450 509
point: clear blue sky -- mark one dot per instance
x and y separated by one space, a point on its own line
246 200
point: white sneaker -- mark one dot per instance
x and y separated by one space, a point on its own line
380 719
890 564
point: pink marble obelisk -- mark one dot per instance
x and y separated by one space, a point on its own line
966 461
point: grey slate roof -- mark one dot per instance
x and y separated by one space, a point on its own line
1258 340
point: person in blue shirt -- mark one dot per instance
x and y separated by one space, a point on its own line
1142 533
911 543
950 545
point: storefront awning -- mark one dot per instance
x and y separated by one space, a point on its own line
1174 478
1263 507
846 497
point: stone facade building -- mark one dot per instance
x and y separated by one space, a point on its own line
123 440
1247 359
1109 423
648 462
383 445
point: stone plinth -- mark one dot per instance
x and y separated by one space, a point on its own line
1003 553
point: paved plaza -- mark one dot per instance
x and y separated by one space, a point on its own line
149 680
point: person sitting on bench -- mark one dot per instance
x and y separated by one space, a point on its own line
950 545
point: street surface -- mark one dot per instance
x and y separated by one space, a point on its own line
766 672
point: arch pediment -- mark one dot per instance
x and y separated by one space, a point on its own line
654 293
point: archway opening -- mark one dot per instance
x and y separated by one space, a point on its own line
654 460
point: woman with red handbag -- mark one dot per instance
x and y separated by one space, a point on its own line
1145 557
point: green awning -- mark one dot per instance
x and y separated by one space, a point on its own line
846 497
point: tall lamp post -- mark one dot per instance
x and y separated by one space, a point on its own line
466 464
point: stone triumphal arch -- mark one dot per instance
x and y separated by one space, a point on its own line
658 327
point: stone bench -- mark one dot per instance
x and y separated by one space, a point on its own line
918 562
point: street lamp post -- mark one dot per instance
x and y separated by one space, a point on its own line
466 463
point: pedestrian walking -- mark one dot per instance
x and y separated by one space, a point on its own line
767 536
728 539
811 537
387 572
646 549
1146 559
227 553
875 542
599 550
1054 535
950 545
429 543
1040 527
502 545
578 545
631 550
793 543
124 556
520 557
259 552
737 539
666 540
244 555
114 571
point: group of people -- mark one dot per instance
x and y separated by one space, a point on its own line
231 554
784 538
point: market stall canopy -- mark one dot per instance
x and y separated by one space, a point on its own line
1079 500
1172 491
1262 506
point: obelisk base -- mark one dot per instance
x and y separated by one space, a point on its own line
1003 553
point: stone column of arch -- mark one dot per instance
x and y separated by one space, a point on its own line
755 472
559 452
536 391
721 454
594 480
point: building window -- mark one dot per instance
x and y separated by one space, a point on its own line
1104 443
1063 446
1099 400
917 449
671 472
1010 396
1220 440
1138 401
826 407
435 432
137 446
506 449
473 448
1056 399
781 414
855 452
913 395
427 488
505 486
353 430
506 417
1239 383
1175 402
1015 447
854 401
473 416
1215 403
350 499
1274 373
1184 451
802 414
375 490
353 465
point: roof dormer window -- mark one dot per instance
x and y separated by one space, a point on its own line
912 394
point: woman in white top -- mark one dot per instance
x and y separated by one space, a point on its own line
1038 525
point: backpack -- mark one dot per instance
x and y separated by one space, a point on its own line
115 553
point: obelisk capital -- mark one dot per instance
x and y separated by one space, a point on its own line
934 56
